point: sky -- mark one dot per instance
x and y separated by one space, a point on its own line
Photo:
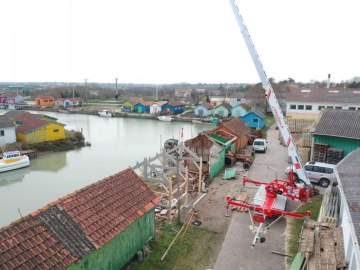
170 41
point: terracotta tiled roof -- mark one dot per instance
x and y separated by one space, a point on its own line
200 141
106 208
237 127
67 230
27 244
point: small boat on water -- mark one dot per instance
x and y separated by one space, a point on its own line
165 118
105 113
13 160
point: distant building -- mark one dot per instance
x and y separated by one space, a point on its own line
142 107
45 101
216 100
11 100
254 119
101 226
35 128
307 103
69 102
7 131
173 108
222 110
238 110
157 107
204 110
183 93
128 105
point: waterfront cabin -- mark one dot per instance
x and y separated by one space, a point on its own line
77 232
204 110
254 119
7 131
223 110
238 110
173 108
128 105
45 101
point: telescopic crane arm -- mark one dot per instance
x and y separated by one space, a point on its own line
270 97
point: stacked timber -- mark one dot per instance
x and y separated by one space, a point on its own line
330 207
334 155
320 152
322 247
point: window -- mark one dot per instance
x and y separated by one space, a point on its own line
321 107
300 107
352 108
308 107
293 107
318 169
2 132
330 107
328 170
309 168
56 130
255 120
338 108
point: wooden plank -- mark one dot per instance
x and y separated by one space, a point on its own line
339 248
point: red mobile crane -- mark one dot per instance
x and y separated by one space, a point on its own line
270 199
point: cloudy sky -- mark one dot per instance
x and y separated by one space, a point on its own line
165 41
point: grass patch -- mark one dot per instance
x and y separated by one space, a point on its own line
195 250
296 226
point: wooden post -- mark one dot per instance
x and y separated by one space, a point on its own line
170 196
186 185
200 174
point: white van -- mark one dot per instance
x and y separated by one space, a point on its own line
260 145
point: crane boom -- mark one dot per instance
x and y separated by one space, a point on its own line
270 97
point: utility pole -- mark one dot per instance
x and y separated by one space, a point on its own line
86 93
116 88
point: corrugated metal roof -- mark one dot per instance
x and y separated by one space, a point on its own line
325 95
339 123
349 173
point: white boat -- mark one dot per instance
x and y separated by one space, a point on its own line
165 118
13 160
105 113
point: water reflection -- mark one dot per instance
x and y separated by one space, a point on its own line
12 177
49 162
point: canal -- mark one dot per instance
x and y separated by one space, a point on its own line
116 143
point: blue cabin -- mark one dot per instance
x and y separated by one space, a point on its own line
204 110
142 107
173 108
254 119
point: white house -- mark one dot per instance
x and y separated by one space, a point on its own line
307 103
348 178
7 131
216 100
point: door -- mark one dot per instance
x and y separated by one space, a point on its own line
201 112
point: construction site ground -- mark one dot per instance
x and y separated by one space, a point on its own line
234 236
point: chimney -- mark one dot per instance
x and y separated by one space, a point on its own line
328 81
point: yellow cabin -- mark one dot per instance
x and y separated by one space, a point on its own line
49 131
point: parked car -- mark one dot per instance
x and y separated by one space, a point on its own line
319 173
260 145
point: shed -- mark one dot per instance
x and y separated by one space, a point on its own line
254 119
237 128
69 102
128 105
204 110
222 110
156 107
238 110
101 226
142 107
339 129
45 101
